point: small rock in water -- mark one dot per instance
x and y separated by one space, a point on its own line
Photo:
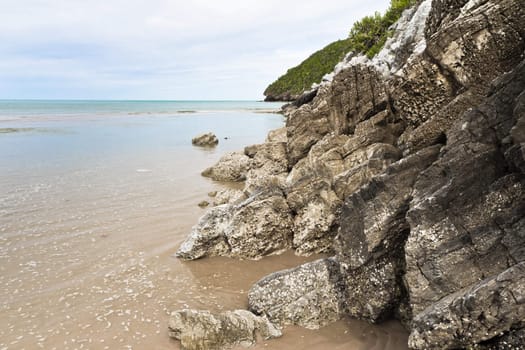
205 140
204 204
212 194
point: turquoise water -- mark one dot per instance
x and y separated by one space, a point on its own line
60 134
13 109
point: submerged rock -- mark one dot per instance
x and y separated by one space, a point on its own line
205 140
203 204
202 330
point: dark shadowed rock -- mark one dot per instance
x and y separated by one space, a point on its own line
202 330
306 97
476 314
467 218
205 140
372 233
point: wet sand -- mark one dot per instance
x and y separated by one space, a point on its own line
86 256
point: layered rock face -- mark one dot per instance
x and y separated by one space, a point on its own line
409 171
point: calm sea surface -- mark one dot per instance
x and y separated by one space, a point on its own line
95 197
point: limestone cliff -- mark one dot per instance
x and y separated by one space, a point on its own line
409 169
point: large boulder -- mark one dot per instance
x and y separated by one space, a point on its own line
309 295
202 330
261 225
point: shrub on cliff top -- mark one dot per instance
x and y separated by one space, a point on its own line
370 33
366 36
311 70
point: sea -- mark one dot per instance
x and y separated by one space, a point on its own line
96 196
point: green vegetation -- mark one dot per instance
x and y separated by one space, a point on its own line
366 36
370 33
311 70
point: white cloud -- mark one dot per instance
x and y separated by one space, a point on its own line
160 48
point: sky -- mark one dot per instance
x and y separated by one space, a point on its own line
162 49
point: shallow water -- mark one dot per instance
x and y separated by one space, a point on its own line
92 207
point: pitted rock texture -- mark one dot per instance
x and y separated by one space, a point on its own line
202 330
258 226
372 233
471 316
307 296
467 218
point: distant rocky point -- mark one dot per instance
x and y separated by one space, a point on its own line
205 140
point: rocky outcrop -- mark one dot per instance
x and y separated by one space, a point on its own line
205 140
408 169
202 330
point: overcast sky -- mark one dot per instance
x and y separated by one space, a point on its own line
162 49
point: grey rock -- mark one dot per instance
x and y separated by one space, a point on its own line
410 167
355 94
270 155
371 236
258 226
208 238
231 167
229 196
471 316
277 135
269 165
205 140
202 330
467 218
511 340
308 295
